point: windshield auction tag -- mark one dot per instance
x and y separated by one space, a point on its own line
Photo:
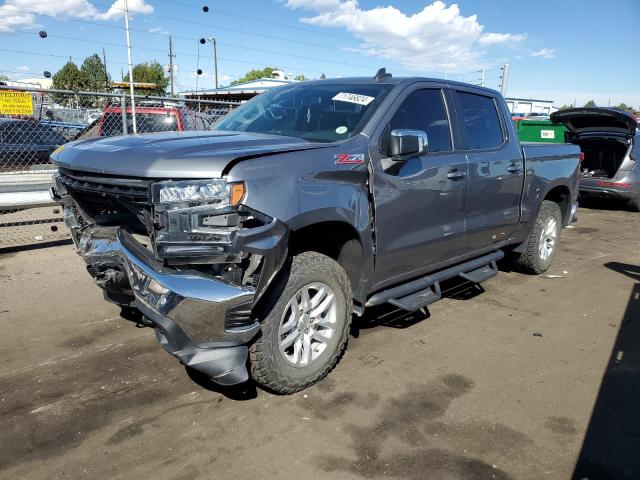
353 98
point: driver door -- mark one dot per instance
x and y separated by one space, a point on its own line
420 204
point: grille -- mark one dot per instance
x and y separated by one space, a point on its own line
127 188
110 201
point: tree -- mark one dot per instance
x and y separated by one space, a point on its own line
149 72
624 106
94 74
255 74
3 78
323 77
565 106
590 104
67 78
300 77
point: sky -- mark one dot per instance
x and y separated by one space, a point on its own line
567 51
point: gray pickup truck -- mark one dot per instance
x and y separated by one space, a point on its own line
250 247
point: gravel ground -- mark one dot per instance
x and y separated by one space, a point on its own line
524 379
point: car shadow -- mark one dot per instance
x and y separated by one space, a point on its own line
606 204
611 447
241 392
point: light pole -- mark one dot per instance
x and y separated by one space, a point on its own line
133 103
215 59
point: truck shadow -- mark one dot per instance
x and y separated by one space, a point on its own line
612 442
387 315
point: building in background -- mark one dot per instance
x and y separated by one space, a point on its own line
240 92
530 105
30 83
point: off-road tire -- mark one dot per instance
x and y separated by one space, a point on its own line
530 261
269 369
634 203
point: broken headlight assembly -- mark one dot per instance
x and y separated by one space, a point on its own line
196 218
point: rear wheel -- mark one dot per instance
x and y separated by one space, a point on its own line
305 325
634 203
543 240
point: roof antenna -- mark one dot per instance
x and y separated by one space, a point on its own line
382 74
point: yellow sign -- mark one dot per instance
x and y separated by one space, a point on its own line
16 103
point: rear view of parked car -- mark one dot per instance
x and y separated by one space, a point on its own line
609 141
26 143
151 118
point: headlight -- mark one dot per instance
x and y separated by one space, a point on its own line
198 192
196 217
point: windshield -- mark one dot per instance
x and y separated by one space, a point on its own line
315 112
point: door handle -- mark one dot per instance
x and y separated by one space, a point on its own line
514 169
456 174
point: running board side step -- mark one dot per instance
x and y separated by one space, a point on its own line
426 290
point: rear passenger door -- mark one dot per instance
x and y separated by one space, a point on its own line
420 205
496 172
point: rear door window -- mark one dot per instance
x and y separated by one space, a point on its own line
479 121
425 110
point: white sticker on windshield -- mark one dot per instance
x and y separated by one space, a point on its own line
353 98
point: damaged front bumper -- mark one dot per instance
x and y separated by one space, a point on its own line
195 315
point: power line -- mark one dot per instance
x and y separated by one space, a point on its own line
245 32
228 45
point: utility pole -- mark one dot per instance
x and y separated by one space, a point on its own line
215 59
481 80
133 103
171 55
504 78
106 75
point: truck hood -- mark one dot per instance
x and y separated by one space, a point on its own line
172 155
597 119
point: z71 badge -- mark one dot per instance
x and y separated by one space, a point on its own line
349 158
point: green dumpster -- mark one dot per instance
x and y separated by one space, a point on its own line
540 131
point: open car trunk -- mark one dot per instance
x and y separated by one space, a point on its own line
603 134
602 156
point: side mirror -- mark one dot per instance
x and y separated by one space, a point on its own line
404 143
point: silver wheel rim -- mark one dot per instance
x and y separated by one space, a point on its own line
308 324
548 239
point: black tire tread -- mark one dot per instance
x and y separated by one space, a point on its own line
261 355
527 261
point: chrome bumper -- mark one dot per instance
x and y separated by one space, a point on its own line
187 308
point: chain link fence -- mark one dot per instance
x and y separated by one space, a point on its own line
27 214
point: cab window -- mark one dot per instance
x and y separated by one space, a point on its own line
425 110
479 121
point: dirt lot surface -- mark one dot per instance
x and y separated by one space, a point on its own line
523 380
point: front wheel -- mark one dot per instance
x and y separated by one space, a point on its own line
305 325
543 240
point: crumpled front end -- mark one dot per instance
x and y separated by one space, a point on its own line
202 316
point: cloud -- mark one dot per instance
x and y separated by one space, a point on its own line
158 30
22 69
544 53
117 9
493 38
13 16
437 38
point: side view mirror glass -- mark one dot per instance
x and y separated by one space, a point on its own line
405 142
